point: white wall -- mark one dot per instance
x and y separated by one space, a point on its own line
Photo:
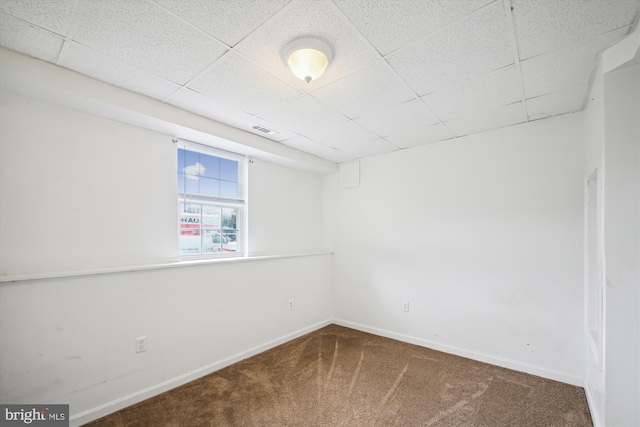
482 235
81 192
613 140
289 216
621 246
594 137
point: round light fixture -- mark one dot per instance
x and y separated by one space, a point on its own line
307 57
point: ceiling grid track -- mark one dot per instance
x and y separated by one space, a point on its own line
508 10
403 73
77 15
388 66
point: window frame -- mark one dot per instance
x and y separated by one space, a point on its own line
239 204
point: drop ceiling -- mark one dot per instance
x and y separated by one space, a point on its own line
404 72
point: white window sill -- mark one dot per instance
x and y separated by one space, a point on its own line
141 267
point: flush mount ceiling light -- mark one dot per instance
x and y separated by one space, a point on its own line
307 57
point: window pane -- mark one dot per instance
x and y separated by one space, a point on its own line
190 163
212 241
210 166
229 190
229 228
189 245
189 216
209 187
206 227
229 170
211 217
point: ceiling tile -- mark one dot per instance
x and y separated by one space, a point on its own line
101 67
206 107
564 68
235 81
305 144
228 21
389 27
309 18
488 119
18 35
53 15
565 101
501 87
424 134
146 36
337 136
362 149
398 118
478 44
545 25
303 114
280 132
365 92
404 72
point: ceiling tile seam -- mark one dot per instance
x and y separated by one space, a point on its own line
167 101
282 10
31 24
635 22
569 87
355 29
306 131
592 79
594 69
386 140
255 64
197 76
415 94
233 48
347 74
302 94
238 46
373 49
576 44
439 30
418 97
78 14
508 11
317 142
280 104
189 24
234 51
59 36
421 98
67 42
199 30
309 95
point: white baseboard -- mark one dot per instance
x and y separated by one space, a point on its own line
498 361
139 396
595 416
115 405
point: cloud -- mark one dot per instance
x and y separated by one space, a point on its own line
194 170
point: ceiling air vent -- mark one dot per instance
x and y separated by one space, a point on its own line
264 130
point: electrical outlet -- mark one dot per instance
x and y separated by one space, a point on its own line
290 304
141 344
405 306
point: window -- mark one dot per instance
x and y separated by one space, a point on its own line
211 201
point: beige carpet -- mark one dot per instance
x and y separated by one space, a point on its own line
341 377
